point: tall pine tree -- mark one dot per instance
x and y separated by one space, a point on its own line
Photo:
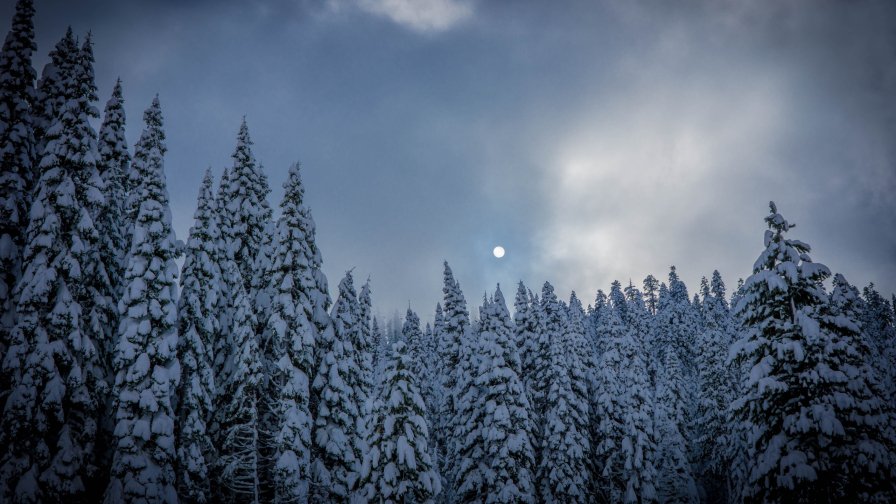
17 162
814 429
398 468
146 364
198 328
50 421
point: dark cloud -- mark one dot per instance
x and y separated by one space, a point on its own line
594 141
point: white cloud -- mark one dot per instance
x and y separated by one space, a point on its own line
424 16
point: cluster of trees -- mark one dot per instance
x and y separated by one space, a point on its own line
236 378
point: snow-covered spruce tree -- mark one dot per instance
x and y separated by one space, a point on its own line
651 293
869 425
625 443
876 320
102 311
49 427
601 303
289 339
579 361
562 474
416 349
336 438
675 479
456 360
198 329
114 165
380 351
815 430
244 194
466 448
526 335
676 322
366 345
147 370
239 383
17 162
508 461
715 390
398 468
51 89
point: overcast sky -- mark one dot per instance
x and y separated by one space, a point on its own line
593 140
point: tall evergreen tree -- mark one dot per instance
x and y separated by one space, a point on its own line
239 380
146 364
244 193
675 478
562 474
336 437
876 319
508 462
17 162
289 340
198 328
366 345
51 90
807 407
457 362
626 443
113 165
398 468
715 390
49 427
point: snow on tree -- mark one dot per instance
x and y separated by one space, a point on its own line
244 193
289 340
562 474
17 162
525 318
508 459
675 479
114 166
651 293
415 343
625 441
864 462
51 89
815 428
366 344
50 420
465 447
876 319
715 389
336 436
147 370
601 304
198 328
676 322
579 361
381 349
398 467
102 311
456 356
239 382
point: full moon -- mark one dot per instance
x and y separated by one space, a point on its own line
498 251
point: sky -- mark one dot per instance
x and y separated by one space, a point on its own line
593 140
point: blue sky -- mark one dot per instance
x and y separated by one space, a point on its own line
593 140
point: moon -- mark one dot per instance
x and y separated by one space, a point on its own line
498 251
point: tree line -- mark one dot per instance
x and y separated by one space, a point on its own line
237 378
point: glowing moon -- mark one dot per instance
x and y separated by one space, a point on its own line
498 251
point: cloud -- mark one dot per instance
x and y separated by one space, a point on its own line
425 16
